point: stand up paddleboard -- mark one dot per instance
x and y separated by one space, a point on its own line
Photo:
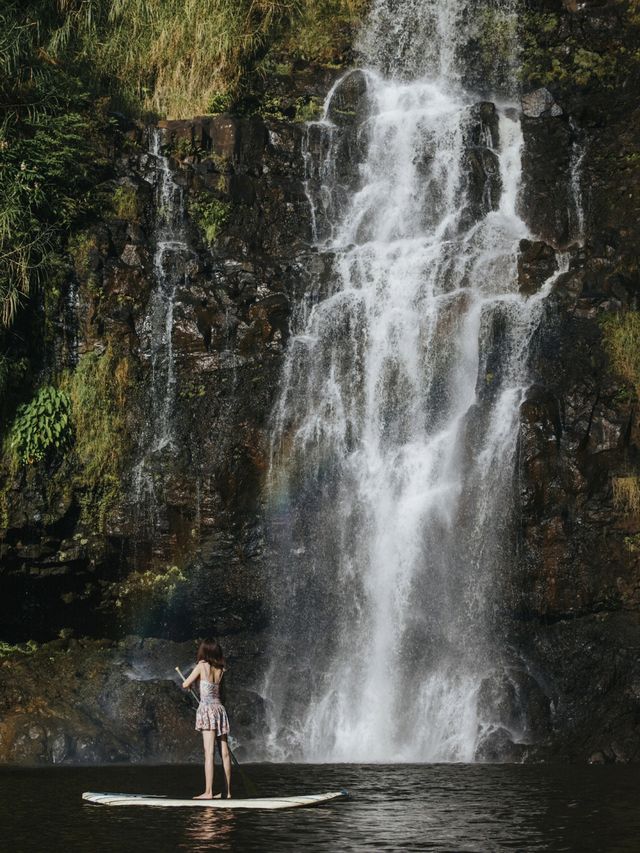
255 803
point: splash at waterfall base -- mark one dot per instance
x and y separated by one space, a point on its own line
571 586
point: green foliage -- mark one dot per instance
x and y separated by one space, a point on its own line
170 57
125 203
632 543
184 146
209 214
621 338
41 426
98 391
8 649
308 109
633 12
271 108
549 59
48 155
221 102
626 493
148 588
82 246
322 31
5 372
496 34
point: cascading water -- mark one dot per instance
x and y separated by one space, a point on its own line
170 264
394 434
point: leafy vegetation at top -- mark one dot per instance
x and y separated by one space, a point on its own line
171 57
322 30
182 57
49 156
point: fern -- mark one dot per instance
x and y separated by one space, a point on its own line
41 426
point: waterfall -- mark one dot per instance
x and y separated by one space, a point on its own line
171 261
389 501
576 206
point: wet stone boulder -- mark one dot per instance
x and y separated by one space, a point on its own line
349 103
481 163
540 103
537 262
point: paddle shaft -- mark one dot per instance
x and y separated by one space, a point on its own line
251 788
191 690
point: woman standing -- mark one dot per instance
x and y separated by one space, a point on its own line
211 717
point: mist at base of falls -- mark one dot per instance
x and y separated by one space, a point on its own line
394 434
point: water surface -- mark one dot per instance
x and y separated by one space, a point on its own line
451 807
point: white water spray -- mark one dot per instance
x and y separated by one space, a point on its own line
394 433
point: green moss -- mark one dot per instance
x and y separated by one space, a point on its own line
98 390
632 543
547 61
8 649
147 588
323 30
272 107
496 35
192 390
209 214
125 203
308 109
621 339
82 247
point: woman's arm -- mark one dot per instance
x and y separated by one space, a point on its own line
191 678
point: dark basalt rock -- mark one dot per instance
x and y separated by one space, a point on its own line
230 324
349 103
574 590
537 262
481 164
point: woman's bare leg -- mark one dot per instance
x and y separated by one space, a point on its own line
208 740
226 762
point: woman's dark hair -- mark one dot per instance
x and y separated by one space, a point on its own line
211 652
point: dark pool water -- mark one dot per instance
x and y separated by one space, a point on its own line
407 807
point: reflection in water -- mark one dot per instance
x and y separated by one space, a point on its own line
208 829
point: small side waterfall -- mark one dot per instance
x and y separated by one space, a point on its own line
170 265
394 434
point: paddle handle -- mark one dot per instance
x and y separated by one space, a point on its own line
191 690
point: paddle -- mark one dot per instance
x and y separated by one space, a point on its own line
249 787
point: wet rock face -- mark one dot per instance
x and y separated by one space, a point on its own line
198 508
482 166
537 262
573 592
109 702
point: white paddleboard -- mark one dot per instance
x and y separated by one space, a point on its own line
254 803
